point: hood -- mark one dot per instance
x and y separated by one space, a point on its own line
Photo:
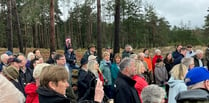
30 89
172 82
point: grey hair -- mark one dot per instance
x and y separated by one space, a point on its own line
133 56
197 85
152 94
157 50
125 63
187 61
3 56
29 55
199 51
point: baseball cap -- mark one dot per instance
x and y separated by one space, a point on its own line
10 60
83 61
9 53
92 57
196 75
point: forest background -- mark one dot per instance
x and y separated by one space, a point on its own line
30 23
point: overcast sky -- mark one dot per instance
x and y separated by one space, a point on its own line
190 12
177 11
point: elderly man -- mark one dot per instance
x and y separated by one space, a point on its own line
128 51
197 81
4 58
198 59
124 85
188 62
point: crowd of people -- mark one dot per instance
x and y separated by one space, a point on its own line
180 76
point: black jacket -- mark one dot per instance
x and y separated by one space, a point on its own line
26 77
84 79
125 91
49 96
196 62
193 96
178 59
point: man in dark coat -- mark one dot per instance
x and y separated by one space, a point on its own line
183 52
198 59
124 85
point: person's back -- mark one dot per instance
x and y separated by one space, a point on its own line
193 96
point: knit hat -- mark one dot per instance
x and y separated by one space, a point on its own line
9 53
11 72
83 61
196 75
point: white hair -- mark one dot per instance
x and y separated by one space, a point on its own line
152 94
157 51
125 63
38 69
199 51
197 85
8 91
3 56
187 61
29 55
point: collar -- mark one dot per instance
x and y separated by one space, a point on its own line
129 80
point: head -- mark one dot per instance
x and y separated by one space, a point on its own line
197 77
117 58
41 60
157 52
106 56
140 69
4 58
11 73
134 56
55 78
146 51
60 59
37 53
188 62
84 62
168 56
9 53
189 47
92 57
92 48
128 67
128 48
178 47
179 71
93 66
52 54
183 51
199 54
30 56
34 62
153 94
14 62
108 49
23 59
37 71
70 49
141 56
159 61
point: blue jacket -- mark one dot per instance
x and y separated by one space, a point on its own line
114 71
175 87
105 68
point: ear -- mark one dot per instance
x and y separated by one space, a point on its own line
207 84
52 85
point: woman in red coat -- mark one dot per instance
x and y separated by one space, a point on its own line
30 89
139 78
154 59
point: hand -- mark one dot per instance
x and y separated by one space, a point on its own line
99 93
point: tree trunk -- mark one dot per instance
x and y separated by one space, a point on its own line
9 26
117 27
52 28
99 39
19 34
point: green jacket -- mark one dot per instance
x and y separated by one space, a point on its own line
105 69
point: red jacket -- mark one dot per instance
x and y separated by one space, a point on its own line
154 59
140 84
32 95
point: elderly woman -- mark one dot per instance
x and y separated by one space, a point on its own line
153 94
115 67
156 56
30 89
139 78
53 85
176 82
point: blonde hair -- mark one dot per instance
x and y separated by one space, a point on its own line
178 71
38 69
91 67
139 65
105 54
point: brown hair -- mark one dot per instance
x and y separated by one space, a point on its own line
53 74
